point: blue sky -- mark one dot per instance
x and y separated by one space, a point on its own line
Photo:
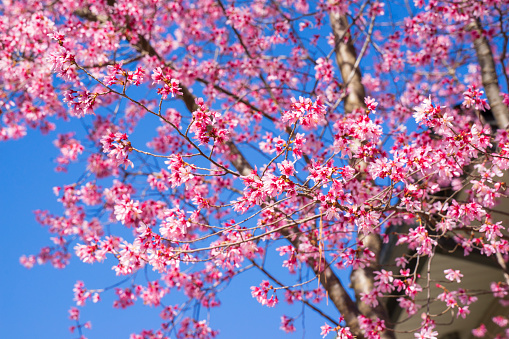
34 303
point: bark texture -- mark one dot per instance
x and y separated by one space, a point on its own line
346 55
489 76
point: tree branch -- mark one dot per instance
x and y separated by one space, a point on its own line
143 46
335 289
329 280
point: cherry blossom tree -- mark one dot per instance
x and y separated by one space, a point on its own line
334 134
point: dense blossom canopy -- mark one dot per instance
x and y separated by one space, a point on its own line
335 134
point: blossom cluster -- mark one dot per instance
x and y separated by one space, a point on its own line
117 147
381 167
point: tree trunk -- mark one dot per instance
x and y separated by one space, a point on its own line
362 279
489 76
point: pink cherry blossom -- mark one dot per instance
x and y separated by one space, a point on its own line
452 275
211 136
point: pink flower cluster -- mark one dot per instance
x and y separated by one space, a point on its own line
70 148
208 125
472 98
117 147
261 294
170 87
308 113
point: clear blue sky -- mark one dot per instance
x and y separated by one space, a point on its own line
34 303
